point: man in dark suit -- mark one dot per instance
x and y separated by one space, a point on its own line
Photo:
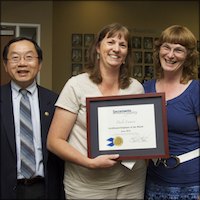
22 59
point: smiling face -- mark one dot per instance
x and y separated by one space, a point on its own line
113 51
172 57
22 63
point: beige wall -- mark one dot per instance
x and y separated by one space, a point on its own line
89 16
59 19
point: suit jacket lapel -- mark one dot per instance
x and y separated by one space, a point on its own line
8 116
44 119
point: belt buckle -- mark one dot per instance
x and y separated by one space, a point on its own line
166 164
28 181
24 181
157 163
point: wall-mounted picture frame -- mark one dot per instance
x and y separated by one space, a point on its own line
88 39
136 42
76 68
137 57
76 55
77 40
148 71
137 71
148 57
86 55
148 43
198 46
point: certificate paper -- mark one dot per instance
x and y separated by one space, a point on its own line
126 127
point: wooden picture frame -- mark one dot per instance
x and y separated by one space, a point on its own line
77 40
148 42
148 71
148 57
76 55
138 71
136 42
88 39
137 57
76 68
133 126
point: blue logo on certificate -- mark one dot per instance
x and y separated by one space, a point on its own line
117 141
110 140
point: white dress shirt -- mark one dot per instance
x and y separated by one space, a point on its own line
35 112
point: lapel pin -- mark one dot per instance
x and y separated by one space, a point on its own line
46 113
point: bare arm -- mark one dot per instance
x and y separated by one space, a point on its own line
59 131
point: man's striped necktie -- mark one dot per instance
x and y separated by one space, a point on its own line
26 137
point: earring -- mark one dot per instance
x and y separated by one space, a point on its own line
98 56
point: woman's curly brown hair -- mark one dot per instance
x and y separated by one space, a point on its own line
178 34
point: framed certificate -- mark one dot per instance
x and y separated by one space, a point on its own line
133 126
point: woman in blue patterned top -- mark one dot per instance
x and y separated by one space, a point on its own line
175 57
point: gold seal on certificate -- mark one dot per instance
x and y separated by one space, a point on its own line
118 141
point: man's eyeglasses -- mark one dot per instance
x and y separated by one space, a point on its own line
17 58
